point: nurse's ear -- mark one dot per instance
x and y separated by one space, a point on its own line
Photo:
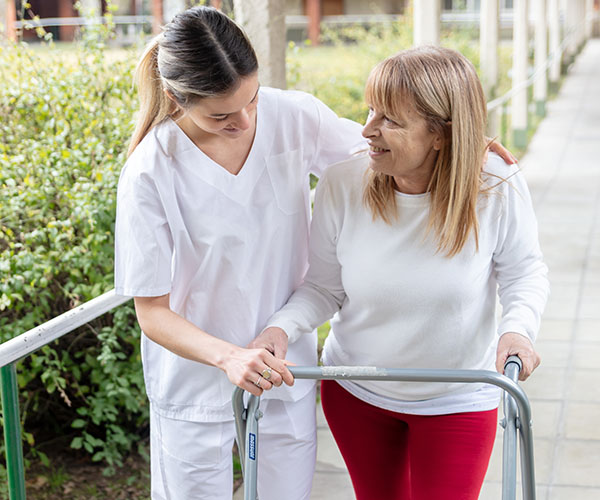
170 95
175 107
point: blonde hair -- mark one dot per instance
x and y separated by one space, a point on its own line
201 53
445 90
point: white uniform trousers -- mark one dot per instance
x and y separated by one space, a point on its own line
193 460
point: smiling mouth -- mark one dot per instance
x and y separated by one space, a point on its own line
376 149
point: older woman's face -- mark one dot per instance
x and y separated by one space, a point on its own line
403 147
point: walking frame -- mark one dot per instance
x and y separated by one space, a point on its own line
517 415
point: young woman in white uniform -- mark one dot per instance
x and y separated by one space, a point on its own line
211 238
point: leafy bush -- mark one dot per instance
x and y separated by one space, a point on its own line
67 116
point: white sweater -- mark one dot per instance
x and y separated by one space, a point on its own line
399 303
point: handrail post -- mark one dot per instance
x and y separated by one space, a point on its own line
12 433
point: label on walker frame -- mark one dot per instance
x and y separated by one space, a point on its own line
252 446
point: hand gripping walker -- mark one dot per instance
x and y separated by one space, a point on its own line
517 415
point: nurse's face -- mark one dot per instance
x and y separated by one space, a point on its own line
231 115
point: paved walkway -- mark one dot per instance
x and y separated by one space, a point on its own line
562 167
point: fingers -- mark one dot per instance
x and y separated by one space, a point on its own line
531 360
272 376
279 369
514 344
500 362
255 384
501 151
272 339
257 370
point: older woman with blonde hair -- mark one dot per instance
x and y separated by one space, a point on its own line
410 246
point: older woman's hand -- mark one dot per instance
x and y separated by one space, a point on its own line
514 344
495 147
273 339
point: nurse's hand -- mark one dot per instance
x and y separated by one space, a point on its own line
514 344
255 370
495 147
273 339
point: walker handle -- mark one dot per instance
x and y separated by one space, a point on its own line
512 367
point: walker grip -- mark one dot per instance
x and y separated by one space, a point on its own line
512 367
514 359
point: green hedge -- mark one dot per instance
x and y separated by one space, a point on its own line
66 119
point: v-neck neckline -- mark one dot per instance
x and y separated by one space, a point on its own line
183 139
239 186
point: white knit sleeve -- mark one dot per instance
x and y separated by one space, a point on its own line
321 294
520 270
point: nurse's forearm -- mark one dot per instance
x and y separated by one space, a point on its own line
178 335
244 367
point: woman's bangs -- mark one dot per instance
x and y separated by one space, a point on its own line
385 89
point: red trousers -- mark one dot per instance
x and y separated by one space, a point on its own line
396 456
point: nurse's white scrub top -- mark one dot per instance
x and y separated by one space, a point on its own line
229 249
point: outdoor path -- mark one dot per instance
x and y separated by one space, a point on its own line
562 167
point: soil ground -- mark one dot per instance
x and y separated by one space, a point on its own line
69 478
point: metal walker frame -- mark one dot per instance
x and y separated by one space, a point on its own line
517 415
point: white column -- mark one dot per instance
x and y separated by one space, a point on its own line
426 22
172 8
579 14
589 20
488 46
3 17
540 86
264 23
555 41
571 19
488 57
519 71
582 23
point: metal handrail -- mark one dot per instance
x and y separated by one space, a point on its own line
26 343
18 347
82 21
508 95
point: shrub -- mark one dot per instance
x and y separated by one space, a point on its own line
67 116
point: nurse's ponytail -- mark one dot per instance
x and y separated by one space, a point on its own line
155 106
201 53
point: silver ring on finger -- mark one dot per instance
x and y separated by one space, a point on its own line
266 373
257 383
